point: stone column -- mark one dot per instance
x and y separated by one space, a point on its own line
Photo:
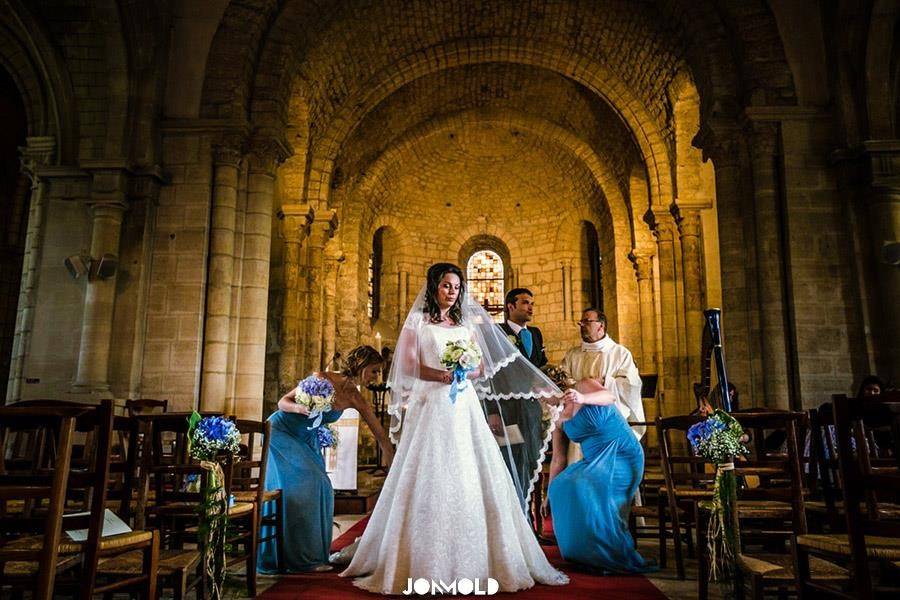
295 224
688 221
333 260
643 268
250 366
107 206
722 141
322 230
770 271
670 362
38 152
882 202
227 157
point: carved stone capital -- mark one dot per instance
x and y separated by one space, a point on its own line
720 140
643 263
662 224
37 152
267 153
296 221
687 220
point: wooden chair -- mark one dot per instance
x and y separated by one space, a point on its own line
770 507
36 565
175 508
686 483
248 485
146 406
87 484
651 482
871 537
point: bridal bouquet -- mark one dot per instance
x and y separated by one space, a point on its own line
462 356
719 439
208 439
317 395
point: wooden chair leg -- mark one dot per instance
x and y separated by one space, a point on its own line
151 567
801 571
252 547
279 532
757 589
689 530
676 538
661 521
702 571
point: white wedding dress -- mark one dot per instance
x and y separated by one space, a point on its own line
448 509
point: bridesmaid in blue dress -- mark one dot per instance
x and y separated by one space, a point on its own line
591 498
296 466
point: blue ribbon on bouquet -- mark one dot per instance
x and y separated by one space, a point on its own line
458 383
316 415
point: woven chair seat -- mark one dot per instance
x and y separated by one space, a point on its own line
780 567
250 496
131 563
885 509
67 546
876 546
240 508
29 568
761 509
644 511
688 493
186 509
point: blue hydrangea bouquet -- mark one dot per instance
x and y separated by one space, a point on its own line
211 436
327 436
317 395
720 439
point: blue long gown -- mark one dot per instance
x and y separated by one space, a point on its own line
591 499
295 466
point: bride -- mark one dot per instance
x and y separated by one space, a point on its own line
449 509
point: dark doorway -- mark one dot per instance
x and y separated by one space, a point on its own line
14 196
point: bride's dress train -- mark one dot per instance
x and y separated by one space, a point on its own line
448 509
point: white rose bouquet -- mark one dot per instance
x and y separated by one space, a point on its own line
461 356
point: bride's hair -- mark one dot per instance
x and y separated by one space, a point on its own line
436 272
360 358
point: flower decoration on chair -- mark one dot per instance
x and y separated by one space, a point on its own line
720 439
210 440
462 357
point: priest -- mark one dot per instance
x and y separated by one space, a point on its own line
600 357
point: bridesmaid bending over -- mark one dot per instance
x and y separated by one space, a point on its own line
296 466
591 498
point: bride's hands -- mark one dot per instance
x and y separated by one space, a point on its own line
573 396
446 377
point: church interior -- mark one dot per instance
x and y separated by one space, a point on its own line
205 201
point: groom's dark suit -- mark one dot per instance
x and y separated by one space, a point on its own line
526 414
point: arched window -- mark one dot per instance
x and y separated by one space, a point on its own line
484 272
591 265
373 302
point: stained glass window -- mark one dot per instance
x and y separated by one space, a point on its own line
484 273
370 299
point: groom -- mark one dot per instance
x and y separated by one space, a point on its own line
517 414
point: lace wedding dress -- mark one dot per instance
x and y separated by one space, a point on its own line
448 509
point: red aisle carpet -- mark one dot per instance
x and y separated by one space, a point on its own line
583 586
